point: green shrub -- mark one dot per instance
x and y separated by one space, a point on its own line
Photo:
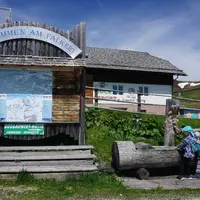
122 125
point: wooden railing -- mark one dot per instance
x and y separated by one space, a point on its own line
138 102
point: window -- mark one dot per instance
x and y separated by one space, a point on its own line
144 90
141 90
118 89
115 88
121 88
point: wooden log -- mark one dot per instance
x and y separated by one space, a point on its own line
82 108
5 43
51 48
19 42
46 45
59 51
24 41
78 35
33 43
10 42
125 156
83 38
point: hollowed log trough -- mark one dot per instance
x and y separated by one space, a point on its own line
141 156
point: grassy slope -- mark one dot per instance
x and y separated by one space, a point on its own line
188 92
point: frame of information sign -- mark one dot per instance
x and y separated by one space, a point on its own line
23 129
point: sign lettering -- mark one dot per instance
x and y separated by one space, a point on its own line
41 34
23 129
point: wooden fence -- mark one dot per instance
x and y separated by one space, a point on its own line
138 102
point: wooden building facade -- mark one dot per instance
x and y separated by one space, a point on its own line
39 48
129 72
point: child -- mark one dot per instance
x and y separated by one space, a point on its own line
186 153
197 149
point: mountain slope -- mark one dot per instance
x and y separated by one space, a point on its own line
188 89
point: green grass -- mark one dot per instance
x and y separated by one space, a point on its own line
86 186
192 94
100 139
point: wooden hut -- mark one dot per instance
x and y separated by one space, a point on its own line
39 48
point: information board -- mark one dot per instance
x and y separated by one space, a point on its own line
25 108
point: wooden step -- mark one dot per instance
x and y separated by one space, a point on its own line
47 169
47 163
47 156
47 148
43 153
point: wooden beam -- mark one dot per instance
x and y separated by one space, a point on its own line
69 67
48 169
34 156
47 163
46 148
83 38
82 108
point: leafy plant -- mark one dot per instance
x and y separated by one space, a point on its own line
123 125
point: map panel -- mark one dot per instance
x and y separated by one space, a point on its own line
26 108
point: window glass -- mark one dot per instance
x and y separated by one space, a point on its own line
115 88
141 90
121 88
146 90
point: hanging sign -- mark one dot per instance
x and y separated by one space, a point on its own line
37 33
23 129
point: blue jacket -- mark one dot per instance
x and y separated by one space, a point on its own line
186 146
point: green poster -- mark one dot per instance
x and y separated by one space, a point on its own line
23 129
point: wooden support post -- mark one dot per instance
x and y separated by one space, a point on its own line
96 96
139 101
83 38
82 108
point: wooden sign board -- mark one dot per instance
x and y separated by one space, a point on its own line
37 33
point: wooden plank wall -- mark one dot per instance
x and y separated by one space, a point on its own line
71 129
89 92
66 96
39 48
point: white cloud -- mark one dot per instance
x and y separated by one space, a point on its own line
174 38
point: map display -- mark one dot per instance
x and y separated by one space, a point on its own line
25 108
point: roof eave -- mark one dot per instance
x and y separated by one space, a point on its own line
174 72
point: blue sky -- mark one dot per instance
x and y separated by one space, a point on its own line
165 28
